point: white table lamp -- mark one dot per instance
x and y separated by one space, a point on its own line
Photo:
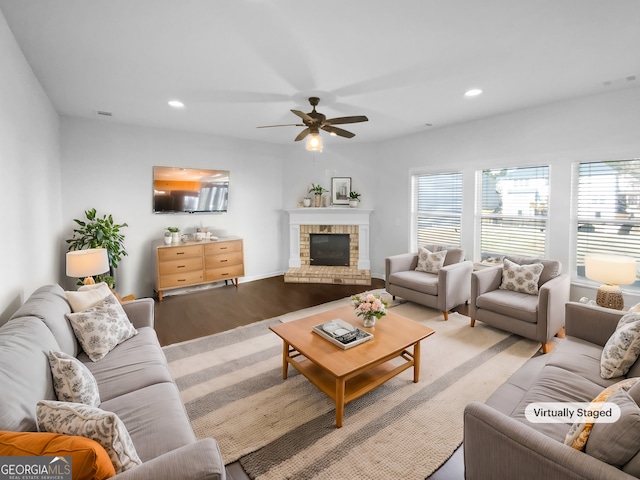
612 271
86 263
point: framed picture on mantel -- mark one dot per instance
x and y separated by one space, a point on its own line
340 188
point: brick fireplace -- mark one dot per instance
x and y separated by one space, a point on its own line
303 222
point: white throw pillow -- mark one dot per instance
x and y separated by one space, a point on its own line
430 262
623 347
102 327
90 422
87 296
72 381
521 278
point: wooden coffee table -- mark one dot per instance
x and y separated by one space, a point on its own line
344 375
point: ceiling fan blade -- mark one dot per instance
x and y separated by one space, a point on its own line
302 134
303 116
338 131
342 120
283 125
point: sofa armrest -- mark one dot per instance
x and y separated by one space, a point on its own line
497 446
399 263
140 312
483 281
196 461
592 323
553 296
454 285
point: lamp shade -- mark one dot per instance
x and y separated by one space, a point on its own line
314 142
610 269
86 263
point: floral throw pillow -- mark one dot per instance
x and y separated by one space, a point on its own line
623 347
102 327
72 381
521 278
430 262
90 422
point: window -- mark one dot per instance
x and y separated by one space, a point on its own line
437 208
514 211
608 209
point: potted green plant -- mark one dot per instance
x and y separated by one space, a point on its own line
100 232
175 234
317 191
354 198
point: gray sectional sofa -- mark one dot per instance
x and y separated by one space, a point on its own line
133 380
499 441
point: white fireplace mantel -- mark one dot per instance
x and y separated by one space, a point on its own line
329 216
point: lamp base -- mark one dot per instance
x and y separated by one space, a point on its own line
610 296
89 281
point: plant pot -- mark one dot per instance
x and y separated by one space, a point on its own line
167 239
175 237
306 202
353 203
318 201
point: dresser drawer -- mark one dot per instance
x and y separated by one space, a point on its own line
223 260
187 264
180 279
232 271
176 253
223 247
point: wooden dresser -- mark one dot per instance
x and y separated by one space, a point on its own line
194 263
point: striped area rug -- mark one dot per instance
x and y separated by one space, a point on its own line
233 390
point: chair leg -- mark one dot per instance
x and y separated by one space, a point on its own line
473 322
546 348
446 315
561 333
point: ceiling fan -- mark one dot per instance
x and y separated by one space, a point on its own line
315 121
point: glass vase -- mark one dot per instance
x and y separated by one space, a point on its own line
369 321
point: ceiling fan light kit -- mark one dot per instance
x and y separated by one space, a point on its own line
315 121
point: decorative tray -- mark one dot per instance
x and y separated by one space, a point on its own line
341 333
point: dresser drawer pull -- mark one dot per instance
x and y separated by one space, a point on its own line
180 253
182 280
225 274
223 248
222 261
181 266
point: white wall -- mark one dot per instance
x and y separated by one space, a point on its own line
108 167
30 177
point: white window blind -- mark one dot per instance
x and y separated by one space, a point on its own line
608 210
513 220
437 208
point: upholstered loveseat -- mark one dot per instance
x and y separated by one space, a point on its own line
500 441
133 382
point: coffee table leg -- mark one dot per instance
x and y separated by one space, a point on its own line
340 386
285 359
416 362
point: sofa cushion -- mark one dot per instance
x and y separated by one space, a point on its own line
102 327
102 426
414 280
87 296
72 381
430 262
134 364
25 374
512 304
551 386
582 358
50 305
521 278
623 347
146 411
454 254
552 268
617 443
88 458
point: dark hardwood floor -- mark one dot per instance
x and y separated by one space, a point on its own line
184 317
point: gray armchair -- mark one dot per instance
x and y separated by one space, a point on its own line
450 287
538 317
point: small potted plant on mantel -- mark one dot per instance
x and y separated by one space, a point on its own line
317 191
354 198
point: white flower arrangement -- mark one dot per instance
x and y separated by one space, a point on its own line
369 305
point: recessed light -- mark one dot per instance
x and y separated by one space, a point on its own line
176 104
474 92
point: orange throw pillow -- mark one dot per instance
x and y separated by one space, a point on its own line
88 458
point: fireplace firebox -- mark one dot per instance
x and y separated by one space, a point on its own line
329 249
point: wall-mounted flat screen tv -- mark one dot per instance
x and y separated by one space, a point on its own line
190 190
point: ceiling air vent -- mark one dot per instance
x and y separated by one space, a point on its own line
104 113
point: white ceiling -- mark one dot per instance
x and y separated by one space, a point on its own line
238 64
